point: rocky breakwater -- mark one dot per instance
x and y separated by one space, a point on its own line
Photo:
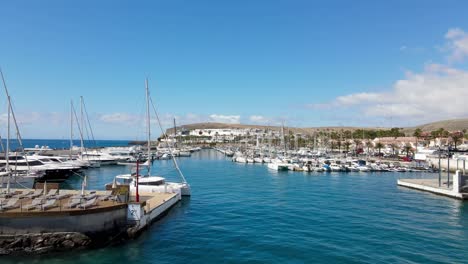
43 243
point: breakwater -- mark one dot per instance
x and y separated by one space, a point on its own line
42 243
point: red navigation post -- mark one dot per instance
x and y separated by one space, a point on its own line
137 176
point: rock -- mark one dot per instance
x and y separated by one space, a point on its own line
43 250
86 243
43 243
68 244
38 240
15 244
4 252
52 241
26 241
80 239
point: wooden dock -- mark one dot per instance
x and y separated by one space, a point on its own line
24 206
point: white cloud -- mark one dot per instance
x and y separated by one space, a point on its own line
457 44
119 118
230 119
258 119
438 92
358 98
26 118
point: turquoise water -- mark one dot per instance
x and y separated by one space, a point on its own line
241 213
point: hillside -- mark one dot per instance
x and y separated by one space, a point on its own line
450 125
307 130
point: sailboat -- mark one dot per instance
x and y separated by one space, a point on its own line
148 183
8 163
95 158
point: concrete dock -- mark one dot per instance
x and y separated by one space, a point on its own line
456 188
151 207
108 215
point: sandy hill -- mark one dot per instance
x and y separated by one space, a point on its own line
450 125
307 130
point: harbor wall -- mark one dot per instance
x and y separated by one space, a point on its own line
92 224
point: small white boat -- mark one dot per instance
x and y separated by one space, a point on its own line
241 160
258 160
278 166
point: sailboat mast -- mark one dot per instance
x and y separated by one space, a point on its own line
175 134
82 123
12 114
148 127
71 127
7 150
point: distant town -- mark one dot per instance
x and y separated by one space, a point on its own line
388 141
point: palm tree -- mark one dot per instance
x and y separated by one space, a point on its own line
393 146
347 144
407 149
379 146
417 133
456 137
368 145
357 142
333 145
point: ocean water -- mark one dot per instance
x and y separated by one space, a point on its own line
64 143
244 213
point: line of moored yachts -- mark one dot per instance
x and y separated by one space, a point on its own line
319 162
58 168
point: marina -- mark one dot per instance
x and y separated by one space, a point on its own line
343 218
282 132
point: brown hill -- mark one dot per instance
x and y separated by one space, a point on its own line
450 125
308 130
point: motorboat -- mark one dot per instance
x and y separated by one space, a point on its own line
153 184
32 166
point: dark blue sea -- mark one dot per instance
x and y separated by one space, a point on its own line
244 213
64 143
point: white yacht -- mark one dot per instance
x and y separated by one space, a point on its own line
258 160
153 184
278 165
98 157
32 166
121 154
241 159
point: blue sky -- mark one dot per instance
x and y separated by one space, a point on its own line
300 62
